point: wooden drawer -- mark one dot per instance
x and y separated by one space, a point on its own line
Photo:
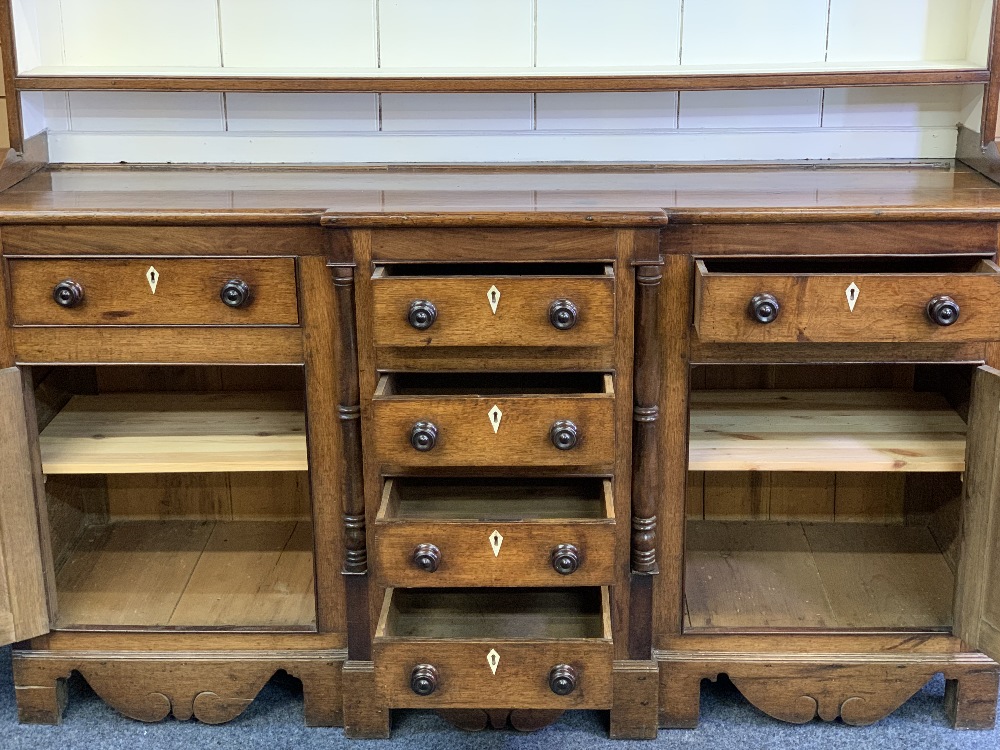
494 647
495 532
490 419
893 300
570 305
154 291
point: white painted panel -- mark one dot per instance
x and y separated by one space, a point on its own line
771 108
893 106
680 146
133 33
301 113
590 33
607 111
44 110
721 32
980 22
456 33
298 33
456 112
898 30
154 112
38 31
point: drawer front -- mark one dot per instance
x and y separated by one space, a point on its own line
530 311
817 307
521 553
465 678
154 291
465 435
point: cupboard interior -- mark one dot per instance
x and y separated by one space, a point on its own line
139 538
824 497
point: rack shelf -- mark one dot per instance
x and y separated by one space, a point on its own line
174 432
853 431
503 80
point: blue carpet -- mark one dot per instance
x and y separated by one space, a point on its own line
274 722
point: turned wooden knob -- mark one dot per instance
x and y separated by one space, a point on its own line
422 314
562 679
564 435
423 436
235 293
67 293
563 314
565 559
764 308
427 557
943 310
424 679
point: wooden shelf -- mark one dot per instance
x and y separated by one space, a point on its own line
233 574
504 80
853 431
171 432
760 574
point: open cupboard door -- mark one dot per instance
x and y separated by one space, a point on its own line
977 590
23 608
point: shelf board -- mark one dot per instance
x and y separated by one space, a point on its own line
504 80
219 574
853 431
128 433
762 574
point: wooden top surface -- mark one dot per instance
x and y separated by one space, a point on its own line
539 196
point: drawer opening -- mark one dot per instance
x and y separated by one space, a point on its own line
825 497
177 497
502 614
848 266
496 499
493 269
494 384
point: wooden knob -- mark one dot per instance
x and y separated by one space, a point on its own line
424 679
423 436
427 557
67 293
235 293
764 308
562 679
562 314
565 559
422 314
943 310
564 435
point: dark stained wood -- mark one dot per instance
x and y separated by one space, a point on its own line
991 99
819 353
458 244
177 345
514 83
8 58
539 217
322 320
500 359
117 292
634 712
366 712
835 238
134 240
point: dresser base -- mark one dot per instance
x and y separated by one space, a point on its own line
859 689
212 687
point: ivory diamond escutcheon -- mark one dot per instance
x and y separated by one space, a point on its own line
153 277
496 541
495 416
493 295
493 659
853 292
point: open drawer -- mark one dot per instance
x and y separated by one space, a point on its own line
495 532
524 305
493 419
844 301
480 648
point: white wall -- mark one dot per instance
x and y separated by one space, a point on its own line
283 36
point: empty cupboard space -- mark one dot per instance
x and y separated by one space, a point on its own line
830 506
176 498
